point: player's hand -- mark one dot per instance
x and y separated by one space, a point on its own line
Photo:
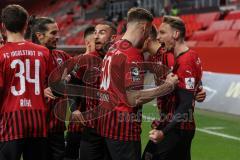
48 93
172 79
201 95
156 135
68 78
78 117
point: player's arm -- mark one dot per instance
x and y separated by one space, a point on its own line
186 98
74 101
138 97
201 94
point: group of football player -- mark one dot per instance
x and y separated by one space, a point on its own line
103 88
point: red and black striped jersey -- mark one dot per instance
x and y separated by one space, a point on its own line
89 75
23 71
121 71
55 124
189 71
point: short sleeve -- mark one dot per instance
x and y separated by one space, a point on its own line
134 73
134 76
187 76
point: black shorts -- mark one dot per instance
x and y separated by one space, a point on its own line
175 146
73 140
29 149
56 146
92 145
122 150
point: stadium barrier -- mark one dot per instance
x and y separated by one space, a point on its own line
223 92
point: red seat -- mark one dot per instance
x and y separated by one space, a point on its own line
203 35
190 18
236 25
233 15
226 36
221 25
207 18
191 44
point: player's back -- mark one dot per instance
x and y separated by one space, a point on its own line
23 72
121 71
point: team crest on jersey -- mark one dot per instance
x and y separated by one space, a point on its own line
190 82
135 73
59 61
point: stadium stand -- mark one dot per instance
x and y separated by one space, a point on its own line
226 36
221 25
233 15
202 28
203 35
236 25
207 18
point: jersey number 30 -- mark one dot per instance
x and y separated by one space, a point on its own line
106 73
25 68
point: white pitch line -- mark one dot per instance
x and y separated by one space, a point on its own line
218 134
213 128
205 131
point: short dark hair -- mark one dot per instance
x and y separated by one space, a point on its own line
176 23
153 33
139 14
110 24
38 24
14 17
88 31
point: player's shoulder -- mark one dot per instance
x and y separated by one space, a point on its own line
26 45
132 53
92 54
36 46
188 56
58 51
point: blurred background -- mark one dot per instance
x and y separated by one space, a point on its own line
213 30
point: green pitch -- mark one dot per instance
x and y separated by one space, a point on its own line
217 137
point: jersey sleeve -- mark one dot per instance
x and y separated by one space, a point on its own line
188 76
134 73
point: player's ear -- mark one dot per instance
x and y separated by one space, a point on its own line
176 34
88 44
39 35
144 25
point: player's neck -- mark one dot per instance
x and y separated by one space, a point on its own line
179 48
132 36
15 37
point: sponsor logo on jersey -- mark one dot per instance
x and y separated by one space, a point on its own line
190 82
135 73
